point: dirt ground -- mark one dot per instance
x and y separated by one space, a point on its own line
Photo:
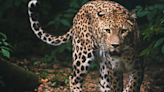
153 82
56 79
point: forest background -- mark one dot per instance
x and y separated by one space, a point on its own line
17 40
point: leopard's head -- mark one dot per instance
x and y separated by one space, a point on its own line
121 31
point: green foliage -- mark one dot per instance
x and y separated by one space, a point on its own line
93 65
66 79
65 22
59 79
60 49
53 84
146 51
1 81
158 42
44 75
13 24
4 46
153 30
152 13
56 15
65 17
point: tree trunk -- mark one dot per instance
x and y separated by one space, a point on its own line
16 78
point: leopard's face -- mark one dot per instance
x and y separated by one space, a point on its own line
118 29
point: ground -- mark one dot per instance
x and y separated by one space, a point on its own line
54 78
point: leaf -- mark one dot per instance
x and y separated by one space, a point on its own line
17 2
147 49
44 80
160 6
72 10
83 2
159 16
68 15
1 12
163 49
162 31
69 46
159 41
134 10
35 63
151 7
75 4
7 3
3 47
25 1
3 35
162 20
53 84
144 38
57 22
50 23
66 81
65 22
55 60
142 13
144 52
7 44
2 83
49 58
160 60
44 11
151 14
138 6
93 65
62 48
5 53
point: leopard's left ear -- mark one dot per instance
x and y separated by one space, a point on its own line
133 16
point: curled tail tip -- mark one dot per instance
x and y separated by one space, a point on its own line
33 10
32 2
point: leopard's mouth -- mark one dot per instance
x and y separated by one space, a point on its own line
114 53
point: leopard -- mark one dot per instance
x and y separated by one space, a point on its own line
104 32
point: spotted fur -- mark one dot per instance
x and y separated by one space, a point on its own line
104 31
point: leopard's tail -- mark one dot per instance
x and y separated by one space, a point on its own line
33 11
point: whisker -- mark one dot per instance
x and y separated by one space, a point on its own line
127 47
102 48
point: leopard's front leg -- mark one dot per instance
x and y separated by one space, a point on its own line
135 79
81 64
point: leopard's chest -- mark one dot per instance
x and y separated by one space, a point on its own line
123 63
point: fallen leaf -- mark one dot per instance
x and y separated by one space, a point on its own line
37 73
40 89
44 80
151 79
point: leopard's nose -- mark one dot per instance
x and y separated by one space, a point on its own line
115 45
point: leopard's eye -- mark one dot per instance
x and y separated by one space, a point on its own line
100 14
123 31
107 30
